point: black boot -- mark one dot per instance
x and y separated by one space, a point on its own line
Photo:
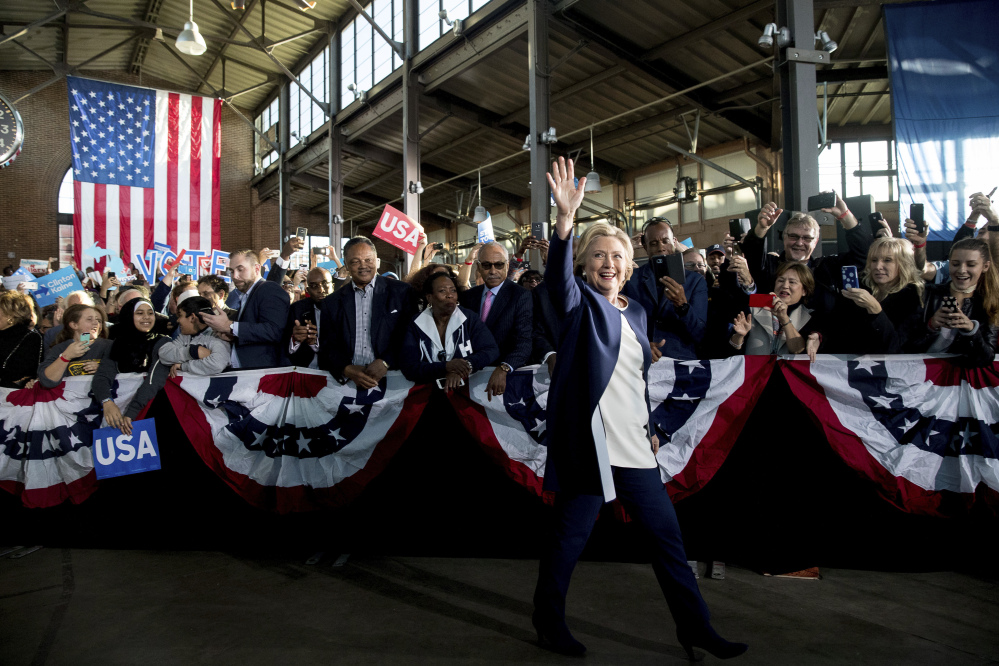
555 636
708 639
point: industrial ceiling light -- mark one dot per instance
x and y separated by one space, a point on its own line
457 25
828 45
770 30
415 188
190 40
305 5
238 4
592 178
549 137
358 94
527 143
480 211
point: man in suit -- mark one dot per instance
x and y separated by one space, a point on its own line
302 331
506 309
676 313
363 324
262 312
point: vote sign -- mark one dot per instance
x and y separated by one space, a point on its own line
117 454
397 229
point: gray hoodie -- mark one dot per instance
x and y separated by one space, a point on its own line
184 350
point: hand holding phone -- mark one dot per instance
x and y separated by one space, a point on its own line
761 300
85 338
851 279
916 215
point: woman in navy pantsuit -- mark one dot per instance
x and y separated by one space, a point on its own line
607 449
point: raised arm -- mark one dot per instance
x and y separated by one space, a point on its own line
558 273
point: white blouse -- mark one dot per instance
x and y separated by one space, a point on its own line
623 407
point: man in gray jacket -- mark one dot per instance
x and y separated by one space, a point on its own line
196 350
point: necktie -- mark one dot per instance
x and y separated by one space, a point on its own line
488 304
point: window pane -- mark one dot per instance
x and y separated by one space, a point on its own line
66 197
429 24
363 56
478 3
397 31
830 169
347 75
851 163
457 9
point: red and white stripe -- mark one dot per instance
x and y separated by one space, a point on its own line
181 207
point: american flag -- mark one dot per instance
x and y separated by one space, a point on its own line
145 168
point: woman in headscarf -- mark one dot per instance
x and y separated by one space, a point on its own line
135 349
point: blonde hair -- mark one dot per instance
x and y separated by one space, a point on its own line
902 254
598 230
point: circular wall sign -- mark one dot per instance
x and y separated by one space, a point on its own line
11 132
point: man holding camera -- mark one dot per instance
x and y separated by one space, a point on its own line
196 349
302 331
676 313
801 236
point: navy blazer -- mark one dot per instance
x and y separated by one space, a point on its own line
682 334
509 320
578 461
469 339
546 329
393 307
261 327
303 355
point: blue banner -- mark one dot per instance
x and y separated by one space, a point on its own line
944 65
54 285
117 454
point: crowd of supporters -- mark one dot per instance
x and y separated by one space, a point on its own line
443 322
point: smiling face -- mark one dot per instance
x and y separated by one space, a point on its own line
362 262
443 296
884 268
605 265
492 266
715 261
800 241
144 318
788 287
89 322
966 267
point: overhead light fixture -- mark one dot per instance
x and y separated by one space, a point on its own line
828 45
190 40
686 189
158 35
457 25
415 188
770 30
527 143
238 4
592 178
549 137
480 211
338 219
358 94
305 5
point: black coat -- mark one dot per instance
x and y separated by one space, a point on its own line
20 355
546 328
974 351
393 307
300 311
261 323
510 318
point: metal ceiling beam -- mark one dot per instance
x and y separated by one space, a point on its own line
60 75
475 49
879 73
250 4
66 7
168 30
569 91
139 54
622 50
701 33
735 93
539 82
646 123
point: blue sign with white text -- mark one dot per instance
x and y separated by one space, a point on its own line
118 454
54 285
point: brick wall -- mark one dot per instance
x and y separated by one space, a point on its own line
29 187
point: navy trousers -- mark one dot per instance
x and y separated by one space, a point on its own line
646 500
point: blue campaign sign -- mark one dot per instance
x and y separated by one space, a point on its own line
117 454
56 284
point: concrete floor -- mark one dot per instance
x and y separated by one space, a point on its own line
76 606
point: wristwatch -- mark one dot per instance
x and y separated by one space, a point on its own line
682 310
506 367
